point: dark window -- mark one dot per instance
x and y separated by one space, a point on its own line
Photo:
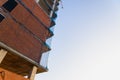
10 5
1 17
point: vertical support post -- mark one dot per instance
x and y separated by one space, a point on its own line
2 54
33 73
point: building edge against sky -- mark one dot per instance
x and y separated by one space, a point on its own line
29 26
52 14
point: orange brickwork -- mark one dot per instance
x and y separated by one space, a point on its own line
7 75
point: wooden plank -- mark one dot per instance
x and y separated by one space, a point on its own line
2 54
33 73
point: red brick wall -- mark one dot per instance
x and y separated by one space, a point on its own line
29 21
19 39
37 11
26 34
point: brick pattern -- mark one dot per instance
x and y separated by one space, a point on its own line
37 11
17 38
25 29
7 75
30 22
23 32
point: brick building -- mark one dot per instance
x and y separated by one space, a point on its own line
25 26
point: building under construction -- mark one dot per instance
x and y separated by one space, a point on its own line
25 29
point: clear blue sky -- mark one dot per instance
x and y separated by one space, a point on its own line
86 44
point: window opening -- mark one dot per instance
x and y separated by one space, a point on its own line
1 17
10 5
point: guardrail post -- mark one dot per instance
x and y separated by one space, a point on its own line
2 54
33 73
